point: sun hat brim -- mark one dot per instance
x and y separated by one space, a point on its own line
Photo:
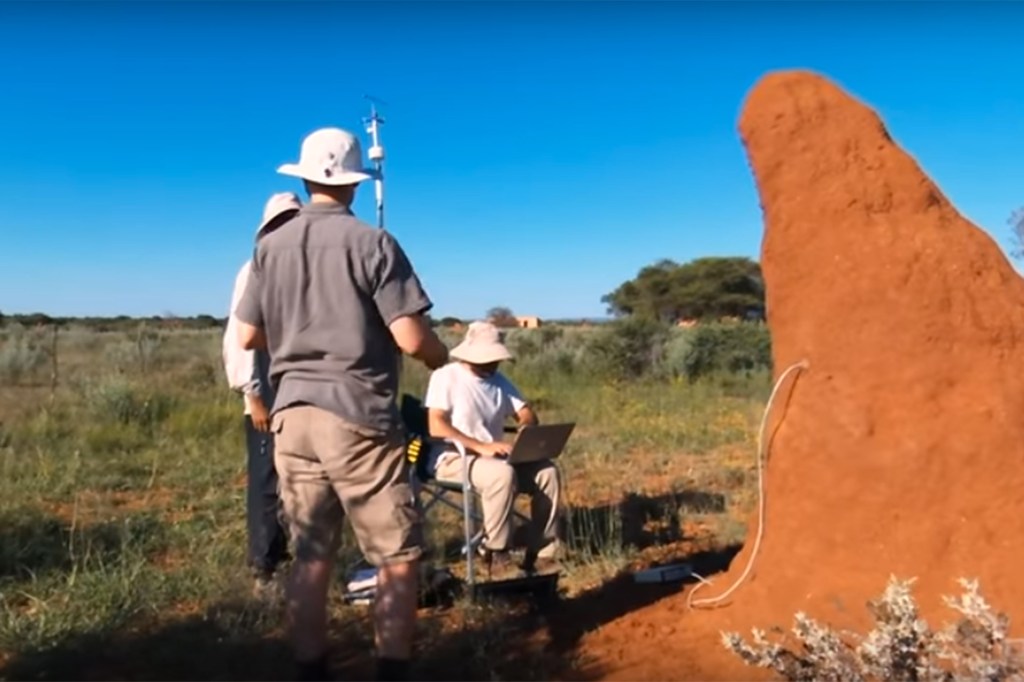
280 218
347 178
480 354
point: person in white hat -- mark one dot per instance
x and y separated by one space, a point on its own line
470 401
335 300
247 373
330 157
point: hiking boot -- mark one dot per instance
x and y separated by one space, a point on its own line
498 564
542 565
544 561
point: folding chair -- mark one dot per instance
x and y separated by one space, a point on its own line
414 414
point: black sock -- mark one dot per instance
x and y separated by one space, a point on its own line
313 671
392 669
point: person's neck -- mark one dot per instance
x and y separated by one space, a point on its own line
472 370
328 200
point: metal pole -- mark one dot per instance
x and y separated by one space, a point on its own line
376 154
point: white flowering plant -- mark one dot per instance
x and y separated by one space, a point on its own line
901 647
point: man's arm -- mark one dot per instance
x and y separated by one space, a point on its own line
525 416
440 424
239 363
523 411
249 312
243 376
403 305
414 336
251 337
259 412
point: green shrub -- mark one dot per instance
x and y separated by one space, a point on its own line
731 348
136 351
22 354
629 348
119 401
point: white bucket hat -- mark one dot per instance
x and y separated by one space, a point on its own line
330 156
482 345
277 206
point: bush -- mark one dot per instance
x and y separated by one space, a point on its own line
726 347
118 401
629 348
544 352
137 351
900 647
22 354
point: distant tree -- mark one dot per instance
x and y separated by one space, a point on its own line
1 319
703 288
449 322
36 320
207 321
501 316
1016 222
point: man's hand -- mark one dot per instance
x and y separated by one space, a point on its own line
499 449
259 413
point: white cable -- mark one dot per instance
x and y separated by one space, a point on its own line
761 458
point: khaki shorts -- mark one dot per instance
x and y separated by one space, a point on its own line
329 468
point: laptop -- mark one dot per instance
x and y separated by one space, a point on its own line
544 441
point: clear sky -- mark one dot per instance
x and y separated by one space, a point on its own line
539 153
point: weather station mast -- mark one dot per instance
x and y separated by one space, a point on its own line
376 155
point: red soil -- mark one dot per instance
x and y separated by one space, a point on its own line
901 450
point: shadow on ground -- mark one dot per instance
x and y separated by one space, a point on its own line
198 647
520 638
637 521
492 641
541 643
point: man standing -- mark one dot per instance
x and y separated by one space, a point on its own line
335 300
248 373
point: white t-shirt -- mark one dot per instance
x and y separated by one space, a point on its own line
479 406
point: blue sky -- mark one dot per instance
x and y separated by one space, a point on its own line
539 154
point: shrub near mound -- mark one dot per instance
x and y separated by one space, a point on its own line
740 347
900 647
634 348
629 348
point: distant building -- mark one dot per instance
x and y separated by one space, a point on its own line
528 322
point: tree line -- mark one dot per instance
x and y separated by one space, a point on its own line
708 288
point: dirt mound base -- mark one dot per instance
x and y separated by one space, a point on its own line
902 447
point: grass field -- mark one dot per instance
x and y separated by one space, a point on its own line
122 530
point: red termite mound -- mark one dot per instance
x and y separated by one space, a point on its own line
900 451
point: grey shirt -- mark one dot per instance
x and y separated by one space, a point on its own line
324 287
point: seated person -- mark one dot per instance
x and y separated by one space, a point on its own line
469 401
